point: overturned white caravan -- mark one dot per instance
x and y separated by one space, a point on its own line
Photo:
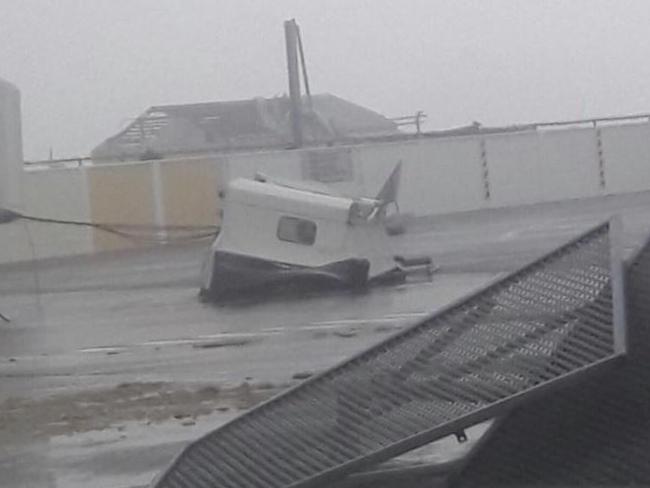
285 236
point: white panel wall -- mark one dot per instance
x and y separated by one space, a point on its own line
515 168
446 175
441 176
54 193
283 164
626 149
542 166
59 194
569 160
288 164
374 163
14 243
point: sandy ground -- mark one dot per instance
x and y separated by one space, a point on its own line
110 364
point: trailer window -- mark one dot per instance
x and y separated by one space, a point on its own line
300 231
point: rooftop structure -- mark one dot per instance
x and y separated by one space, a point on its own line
257 123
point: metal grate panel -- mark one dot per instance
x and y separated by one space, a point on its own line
596 434
543 325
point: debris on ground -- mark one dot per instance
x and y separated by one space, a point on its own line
153 402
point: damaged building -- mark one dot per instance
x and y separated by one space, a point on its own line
258 123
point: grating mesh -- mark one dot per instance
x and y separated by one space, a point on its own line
550 321
597 433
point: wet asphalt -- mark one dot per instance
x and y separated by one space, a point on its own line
86 323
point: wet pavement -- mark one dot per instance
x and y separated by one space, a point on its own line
110 364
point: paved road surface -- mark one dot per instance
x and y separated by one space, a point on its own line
110 364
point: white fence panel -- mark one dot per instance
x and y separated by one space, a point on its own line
569 164
438 175
443 175
626 149
282 164
515 168
61 194
375 163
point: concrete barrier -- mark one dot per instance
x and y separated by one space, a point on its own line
439 176
626 153
180 192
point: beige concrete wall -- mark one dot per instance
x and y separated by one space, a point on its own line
179 192
120 194
176 192
189 192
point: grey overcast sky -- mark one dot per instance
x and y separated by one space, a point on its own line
86 66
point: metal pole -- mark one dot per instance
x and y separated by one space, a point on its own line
417 121
303 65
290 29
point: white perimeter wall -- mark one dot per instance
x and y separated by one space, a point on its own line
62 194
627 157
440 175
444 175
542 166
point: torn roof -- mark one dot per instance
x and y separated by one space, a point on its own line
238 125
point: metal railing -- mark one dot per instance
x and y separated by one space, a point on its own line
69 162
552 323
414 120
595 434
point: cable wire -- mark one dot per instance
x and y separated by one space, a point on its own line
139 232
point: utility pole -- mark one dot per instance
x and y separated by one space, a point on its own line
291 37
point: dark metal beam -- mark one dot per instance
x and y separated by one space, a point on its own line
303 65
291 38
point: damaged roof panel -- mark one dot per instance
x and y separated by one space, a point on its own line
238 125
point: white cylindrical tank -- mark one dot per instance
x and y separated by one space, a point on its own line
11 147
